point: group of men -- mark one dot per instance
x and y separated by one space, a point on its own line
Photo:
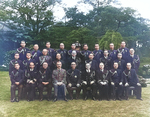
110 73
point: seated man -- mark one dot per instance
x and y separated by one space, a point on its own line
88 81
59 81
102 78
45 80
73 80
115 75
31 79
17 77
130 79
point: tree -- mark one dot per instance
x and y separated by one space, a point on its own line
98 3
28 18
83 35
110 37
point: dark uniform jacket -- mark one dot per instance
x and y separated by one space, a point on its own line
73 77
44 75
17 76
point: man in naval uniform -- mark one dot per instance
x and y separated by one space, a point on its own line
22 51
73 80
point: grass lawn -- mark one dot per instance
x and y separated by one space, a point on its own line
75 108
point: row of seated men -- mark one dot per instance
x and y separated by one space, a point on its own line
111 84
122 56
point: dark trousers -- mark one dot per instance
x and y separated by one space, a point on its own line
93 87
13 90
30 91
137 91
116 90
71 89
103 91
41 87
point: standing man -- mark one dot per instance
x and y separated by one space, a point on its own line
26 63
84 56
22 51
97 53
12 63
16 77
45 80
102 78
106 60
131 79
124 51
134 60
51 51
36 53
93 63
31 81
62 52
73 48
112 52
59 81
45 58
73 81
74 58
58 58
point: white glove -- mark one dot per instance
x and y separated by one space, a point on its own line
31 81
59 83
126 84
91 82
138 84
78 85
120 83
69 84
104 83
112 83
84 82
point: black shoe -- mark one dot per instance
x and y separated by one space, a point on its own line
13 100
127 98
140 99
17 100
85 98
94 98
66 100
41 99
55 99
119 99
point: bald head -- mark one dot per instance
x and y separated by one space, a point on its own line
45 51
111 46
36 47
132 51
